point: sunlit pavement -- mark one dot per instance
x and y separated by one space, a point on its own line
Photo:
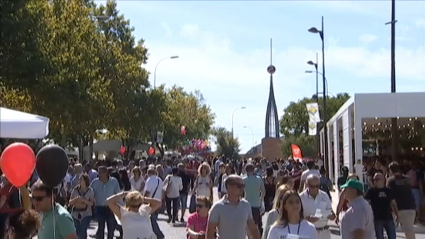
178 231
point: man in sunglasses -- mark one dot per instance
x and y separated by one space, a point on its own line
317 206
231 216
56 222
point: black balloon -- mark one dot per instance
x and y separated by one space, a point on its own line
52 165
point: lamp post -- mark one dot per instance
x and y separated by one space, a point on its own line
394 133
252 133
322 37
154 74
240 108
315 64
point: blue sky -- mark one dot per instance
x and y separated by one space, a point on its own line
224 51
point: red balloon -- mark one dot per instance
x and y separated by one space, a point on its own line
122 149
17 163
151 151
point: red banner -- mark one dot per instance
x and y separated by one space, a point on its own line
296 152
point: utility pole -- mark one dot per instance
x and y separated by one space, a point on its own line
394 133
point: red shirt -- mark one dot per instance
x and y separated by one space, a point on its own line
6 191
197 223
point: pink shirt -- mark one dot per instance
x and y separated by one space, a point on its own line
198 223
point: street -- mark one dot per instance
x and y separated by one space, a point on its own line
179 231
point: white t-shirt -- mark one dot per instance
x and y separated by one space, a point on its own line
137 224
135 186
154 183
175 186
307 231
203 186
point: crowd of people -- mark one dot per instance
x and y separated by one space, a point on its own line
127 196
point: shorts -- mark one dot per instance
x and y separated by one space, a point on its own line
407 219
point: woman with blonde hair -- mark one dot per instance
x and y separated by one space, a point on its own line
342 202
271 217
203 183
134 216
291 220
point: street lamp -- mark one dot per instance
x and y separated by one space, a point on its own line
322 37
317 75
240 108
325 82
252 133
154 74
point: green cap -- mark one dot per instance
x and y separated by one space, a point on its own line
352 183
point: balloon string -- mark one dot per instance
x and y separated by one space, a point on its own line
54 212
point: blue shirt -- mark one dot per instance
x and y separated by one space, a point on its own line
104 190
252 190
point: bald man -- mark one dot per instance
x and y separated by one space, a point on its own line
382 201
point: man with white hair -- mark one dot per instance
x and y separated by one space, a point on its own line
317 206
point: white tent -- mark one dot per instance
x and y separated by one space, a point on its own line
20 125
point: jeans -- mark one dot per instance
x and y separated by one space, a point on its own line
105 215
389 228
3 220
155 226
81 227
175 202
417 195
183 202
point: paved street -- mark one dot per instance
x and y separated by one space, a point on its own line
178 232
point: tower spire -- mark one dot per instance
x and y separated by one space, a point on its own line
272 121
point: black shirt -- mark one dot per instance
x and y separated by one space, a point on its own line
342 180
380 200
185 181
402 192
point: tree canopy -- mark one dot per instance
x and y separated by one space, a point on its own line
80 65
226 144
294 122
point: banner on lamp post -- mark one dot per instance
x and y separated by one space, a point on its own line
313 118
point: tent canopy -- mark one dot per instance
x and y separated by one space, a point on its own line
19 125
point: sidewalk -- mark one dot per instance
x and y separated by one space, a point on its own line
418 227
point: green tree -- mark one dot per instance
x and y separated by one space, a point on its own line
227 145
306 143
184 109
294 121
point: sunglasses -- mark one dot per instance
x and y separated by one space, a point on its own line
200 205
37 198
313 186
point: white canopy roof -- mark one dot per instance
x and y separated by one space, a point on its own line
20 125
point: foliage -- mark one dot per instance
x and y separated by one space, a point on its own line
294 122
306 143
80 65
227 145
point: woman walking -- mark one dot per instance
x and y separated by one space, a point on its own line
81 202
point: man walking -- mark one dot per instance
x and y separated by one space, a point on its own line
254 194
153 189
357 222
231 216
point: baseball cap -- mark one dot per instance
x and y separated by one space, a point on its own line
352 183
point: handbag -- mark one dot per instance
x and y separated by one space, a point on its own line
167 187
192 204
